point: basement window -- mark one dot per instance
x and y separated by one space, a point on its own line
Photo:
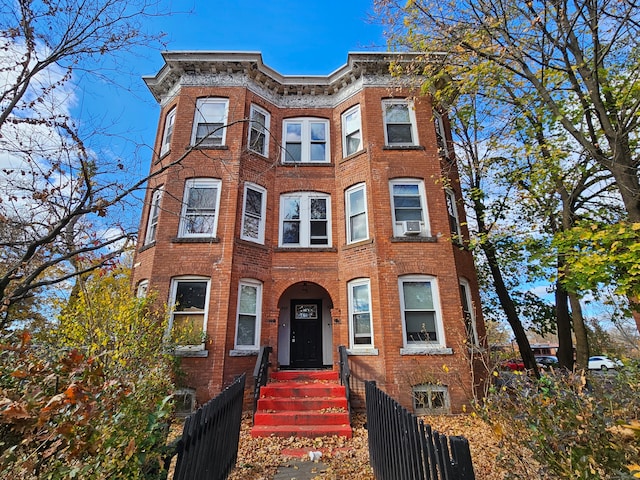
185 401
429 399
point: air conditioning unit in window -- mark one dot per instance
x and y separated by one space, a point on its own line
411 227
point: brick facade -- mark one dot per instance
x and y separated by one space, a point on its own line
318 273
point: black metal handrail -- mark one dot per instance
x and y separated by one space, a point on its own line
345 374
261 373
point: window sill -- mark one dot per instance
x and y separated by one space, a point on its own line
243 353
353 155
414 239
357 244
162 155
403 147
305 249
195 240
306 164
147 246
207 147
197 351
362 352
426 351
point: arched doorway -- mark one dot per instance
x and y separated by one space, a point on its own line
305 337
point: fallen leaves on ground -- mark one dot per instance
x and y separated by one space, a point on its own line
259 458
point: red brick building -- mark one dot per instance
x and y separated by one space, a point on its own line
306 213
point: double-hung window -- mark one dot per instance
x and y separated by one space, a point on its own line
154 213
209 125
468 313
409 208
305 140
259 130
199 208
399 123
441 139
356 207
421 316
360 324
452 209
305 220
248 317
351 131
188 322
253 213
168 131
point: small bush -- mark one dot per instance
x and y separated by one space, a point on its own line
575 425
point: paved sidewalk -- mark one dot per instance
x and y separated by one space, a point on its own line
296 469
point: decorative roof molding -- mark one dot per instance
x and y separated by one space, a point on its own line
246 69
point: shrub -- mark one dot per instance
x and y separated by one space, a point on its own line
575 425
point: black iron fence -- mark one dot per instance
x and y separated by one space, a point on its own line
208 448
345 374
402 447
260 373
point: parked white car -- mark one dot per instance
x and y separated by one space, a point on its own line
602 362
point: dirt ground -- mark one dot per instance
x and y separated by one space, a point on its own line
259 458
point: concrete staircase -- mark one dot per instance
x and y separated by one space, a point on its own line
302 403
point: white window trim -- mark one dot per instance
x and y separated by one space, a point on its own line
172 301
204 182
348 192
398 224
472 312
306 140
267 124
440 344
167 133
345 133
350 286
441 138
154 213
199 103
142 289
305 220
431 388
263 211
412 120
453 204
256 341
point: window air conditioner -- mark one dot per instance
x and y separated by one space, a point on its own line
411 227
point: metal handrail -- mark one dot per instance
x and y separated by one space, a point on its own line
261 373
345 374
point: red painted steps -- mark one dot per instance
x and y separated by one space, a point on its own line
302 403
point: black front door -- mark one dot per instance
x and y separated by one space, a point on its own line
306 334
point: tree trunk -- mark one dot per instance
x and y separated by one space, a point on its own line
563 324
580 330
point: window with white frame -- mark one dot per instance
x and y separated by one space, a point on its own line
189 299
468 313
168 131
441 139
209 124
154 213
452 209
351 131
142 289
259 130
356 207
305 140
305 220
199 208
360 324
430 399
249 315
399 123
409 208
421 316
253 213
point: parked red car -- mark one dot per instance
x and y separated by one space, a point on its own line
514 364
